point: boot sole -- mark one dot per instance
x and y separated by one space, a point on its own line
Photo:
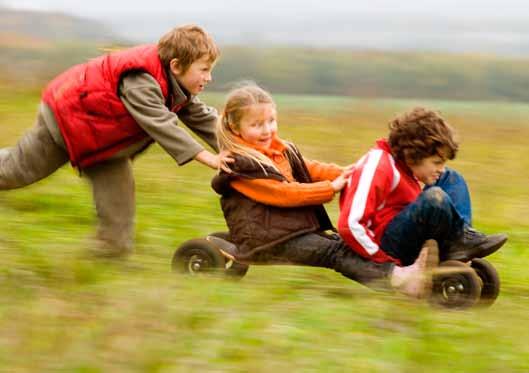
482 254
227 249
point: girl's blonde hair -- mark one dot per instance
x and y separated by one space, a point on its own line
239 100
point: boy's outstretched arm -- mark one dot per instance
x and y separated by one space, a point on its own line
202 120
215 161
144 100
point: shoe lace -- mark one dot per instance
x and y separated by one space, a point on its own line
470 234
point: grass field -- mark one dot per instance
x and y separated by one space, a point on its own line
62 312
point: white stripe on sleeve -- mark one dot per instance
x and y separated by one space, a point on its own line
360 200
396 174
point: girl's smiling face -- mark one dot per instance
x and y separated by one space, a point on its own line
258 125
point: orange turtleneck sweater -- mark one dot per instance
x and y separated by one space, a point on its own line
289 193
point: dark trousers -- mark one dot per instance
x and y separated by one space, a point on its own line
328 252
440 213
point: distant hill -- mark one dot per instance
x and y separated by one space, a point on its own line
35 46
52 27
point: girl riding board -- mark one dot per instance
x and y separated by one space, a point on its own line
272 201
385 215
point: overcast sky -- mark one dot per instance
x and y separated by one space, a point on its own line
467 8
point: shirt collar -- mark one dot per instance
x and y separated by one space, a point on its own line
178 93
277 147
384 145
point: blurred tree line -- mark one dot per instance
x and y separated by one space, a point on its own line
377 74
311 71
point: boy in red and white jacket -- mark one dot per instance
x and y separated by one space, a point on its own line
386 215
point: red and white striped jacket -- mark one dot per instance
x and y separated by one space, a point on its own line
378 189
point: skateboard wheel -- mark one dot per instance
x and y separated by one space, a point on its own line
196 256
458 287
490 288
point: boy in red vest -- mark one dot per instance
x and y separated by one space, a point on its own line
100 114
385 213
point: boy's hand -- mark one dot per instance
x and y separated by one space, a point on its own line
215 161
339 183
225 158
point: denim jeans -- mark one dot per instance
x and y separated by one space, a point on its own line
456 187
440 212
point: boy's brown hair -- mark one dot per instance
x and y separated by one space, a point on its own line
421 133
187 44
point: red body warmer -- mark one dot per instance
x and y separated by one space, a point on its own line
92 119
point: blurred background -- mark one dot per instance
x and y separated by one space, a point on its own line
452 49
339 71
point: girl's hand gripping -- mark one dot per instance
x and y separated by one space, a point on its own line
340 182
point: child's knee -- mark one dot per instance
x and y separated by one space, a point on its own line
435 196
451 177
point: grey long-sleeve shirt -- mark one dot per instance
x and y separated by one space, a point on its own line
142 96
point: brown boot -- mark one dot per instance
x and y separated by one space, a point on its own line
226 248
473 244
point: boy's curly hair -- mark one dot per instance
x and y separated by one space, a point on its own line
421 133
187 44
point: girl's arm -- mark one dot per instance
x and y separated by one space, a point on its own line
320 171
283 194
